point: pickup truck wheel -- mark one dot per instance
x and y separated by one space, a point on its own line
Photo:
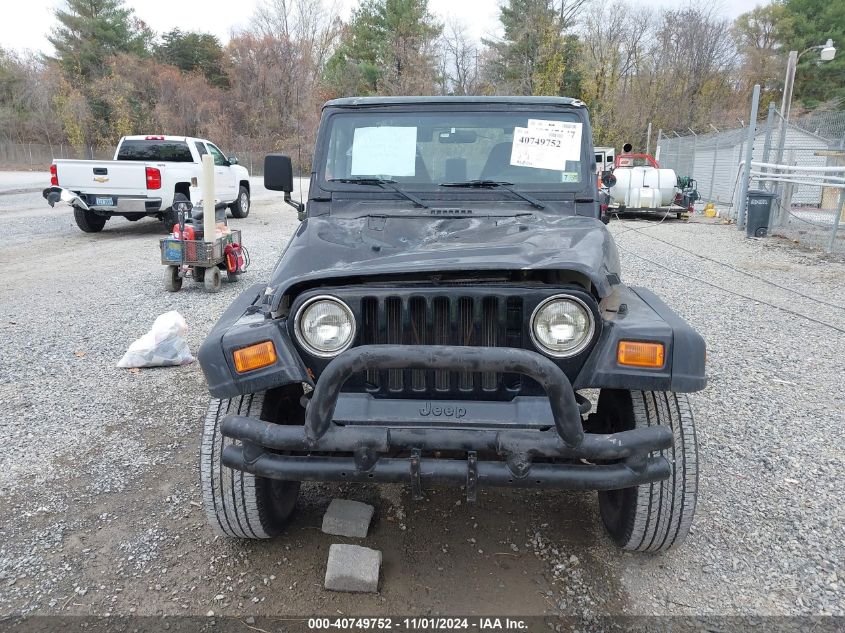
212 280
652 517
240 207
89 221
236 503
172 280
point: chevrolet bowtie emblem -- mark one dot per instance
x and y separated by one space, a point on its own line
101 178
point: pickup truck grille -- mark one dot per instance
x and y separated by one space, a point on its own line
429 319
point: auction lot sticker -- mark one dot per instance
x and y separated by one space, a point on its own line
546 144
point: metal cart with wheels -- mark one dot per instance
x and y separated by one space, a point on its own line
185 256
204 261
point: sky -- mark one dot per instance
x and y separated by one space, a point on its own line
25 25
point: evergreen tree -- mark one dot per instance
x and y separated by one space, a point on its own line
387 47
194 52
809 23
536 56
89 31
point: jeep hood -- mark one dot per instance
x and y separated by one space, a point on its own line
328 247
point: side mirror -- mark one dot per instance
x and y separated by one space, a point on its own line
608 179
278 173
278 176
627 147
233 160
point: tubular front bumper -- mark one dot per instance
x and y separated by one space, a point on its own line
624 456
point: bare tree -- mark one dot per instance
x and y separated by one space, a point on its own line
312 25
275 72
612 56
459 60
672 68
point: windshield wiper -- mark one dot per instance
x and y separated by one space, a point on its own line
492 184
384 183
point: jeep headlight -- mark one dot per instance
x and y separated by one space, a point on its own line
562 326
325 326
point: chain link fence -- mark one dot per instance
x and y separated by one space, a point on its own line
39 156
807 209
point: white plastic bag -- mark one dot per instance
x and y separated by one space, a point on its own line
164 345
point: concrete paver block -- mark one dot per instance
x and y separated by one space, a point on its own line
353 568
347 518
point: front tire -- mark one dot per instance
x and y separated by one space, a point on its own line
236 503
172 279
212 279
240 207
89 221
652 517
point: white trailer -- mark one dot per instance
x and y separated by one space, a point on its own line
642 186
605 158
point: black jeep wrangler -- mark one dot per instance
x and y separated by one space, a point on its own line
451 311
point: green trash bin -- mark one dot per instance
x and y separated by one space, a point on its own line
758 217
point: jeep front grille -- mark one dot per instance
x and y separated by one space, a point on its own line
491 321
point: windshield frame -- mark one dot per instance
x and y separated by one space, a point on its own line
532 110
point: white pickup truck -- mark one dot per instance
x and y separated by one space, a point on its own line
145 175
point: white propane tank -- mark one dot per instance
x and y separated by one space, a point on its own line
664 181
619 191
643 187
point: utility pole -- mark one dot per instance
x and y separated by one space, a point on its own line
648 139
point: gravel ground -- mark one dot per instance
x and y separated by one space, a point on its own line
99 499
768 535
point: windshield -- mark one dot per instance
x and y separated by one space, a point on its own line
425 150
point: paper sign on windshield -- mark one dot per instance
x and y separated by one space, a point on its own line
384 151
546 144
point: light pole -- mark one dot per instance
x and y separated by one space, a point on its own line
827 53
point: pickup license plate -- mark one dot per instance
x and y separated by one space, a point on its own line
104 201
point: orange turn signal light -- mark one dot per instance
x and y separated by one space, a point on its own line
255 356
638 354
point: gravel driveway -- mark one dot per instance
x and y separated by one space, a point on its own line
99 498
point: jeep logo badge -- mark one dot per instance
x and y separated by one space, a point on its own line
449 412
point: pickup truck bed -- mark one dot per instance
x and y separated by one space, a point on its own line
119 187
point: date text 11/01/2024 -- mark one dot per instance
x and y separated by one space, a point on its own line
418 624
